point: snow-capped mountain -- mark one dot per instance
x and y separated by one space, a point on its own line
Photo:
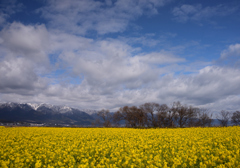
90 111
34 105
44 113
60 109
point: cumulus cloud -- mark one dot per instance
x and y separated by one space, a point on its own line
26 41
204 89
23 58
230 57
207 86
196 12
18 76
105 63
111 72
111 65
230 103
159 58
232 51
104 17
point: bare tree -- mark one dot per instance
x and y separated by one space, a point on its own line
171 117
181 113
127 114
149 109
236 118
155 115
117 117
223 118
162 115
204 118
106 117
133 116
141 117
184 115
192 114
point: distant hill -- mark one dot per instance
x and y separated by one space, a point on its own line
43 113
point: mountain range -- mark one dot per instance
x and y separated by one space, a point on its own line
45 113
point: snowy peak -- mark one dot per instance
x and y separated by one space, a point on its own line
57 109
34 105
9 104
90 111
60 109
48 108
43 113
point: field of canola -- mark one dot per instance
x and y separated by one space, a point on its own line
119 147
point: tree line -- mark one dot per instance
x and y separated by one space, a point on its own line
153 115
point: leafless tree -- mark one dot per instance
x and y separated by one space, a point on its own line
126 114
162 115
149 109
204 118
133 116
223 118
141 117
236 118
155 115
106 117
184 115
171 117
192 115
180 113
117 117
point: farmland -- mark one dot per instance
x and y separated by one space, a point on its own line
119 147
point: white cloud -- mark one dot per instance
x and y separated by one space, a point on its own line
110 65
159 58
26 41
104 17
18 76
230 56
232 51
229 103
204 89
143 40
196 12
104 63
23 59
113 73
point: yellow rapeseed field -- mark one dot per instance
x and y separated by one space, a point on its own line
119 147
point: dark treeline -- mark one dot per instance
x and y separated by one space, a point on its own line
153 115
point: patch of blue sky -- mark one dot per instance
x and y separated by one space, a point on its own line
92 34
74 80
53 57
179 73
26 12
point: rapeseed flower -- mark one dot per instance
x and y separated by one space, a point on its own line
119 147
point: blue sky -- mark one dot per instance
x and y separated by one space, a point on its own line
110 53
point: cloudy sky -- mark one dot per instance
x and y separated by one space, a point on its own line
94 54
